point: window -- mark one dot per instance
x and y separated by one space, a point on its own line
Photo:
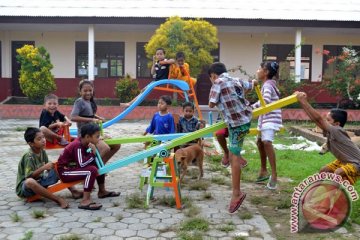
284 54
335 50
109 59
142 62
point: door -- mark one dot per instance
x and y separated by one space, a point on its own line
203 86
15 66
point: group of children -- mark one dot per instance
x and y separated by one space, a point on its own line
77 162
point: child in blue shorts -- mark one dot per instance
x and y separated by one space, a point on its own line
36 173
228 95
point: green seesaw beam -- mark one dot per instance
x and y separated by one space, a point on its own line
164 148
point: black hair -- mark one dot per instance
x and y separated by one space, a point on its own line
160 48
272 68
92 101
49 97
89 129
188 104
166 99
30 134
180 55
339 115
217 68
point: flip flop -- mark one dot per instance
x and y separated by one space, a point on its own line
90 206
234 206
110 194
243 166
223 163
269 186
261 179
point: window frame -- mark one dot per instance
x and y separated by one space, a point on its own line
104 50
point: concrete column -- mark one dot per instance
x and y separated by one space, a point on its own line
298 55
91 52
6 55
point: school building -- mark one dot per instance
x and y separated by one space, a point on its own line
115 32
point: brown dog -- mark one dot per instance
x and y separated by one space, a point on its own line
185 157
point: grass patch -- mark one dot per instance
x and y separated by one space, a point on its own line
15 217
227 227
284 203
168 201
38 214
135 201
20 129
97 219
244 215
293 166
27 236
219 181
199 185
239 238
207 196
192 211
72 236
192 224
256 200
119 217
190 235
115 204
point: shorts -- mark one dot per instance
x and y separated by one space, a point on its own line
236 138
51 179
351 172
224 132
267 135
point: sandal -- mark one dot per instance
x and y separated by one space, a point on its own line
90 206
225 163
271 185
261 179
235 205
110 194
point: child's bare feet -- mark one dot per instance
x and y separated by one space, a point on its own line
62 203
125 105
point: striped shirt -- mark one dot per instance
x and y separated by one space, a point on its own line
273 119
228 94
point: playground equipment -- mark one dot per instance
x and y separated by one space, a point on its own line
164 149
182 85
54 144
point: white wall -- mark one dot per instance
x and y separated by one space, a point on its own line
235 48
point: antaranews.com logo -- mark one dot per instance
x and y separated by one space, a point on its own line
321 202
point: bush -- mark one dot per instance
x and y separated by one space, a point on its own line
126 88
36 80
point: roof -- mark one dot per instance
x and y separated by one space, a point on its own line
318 10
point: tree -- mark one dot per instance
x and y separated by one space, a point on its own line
343 77
196 38
36 80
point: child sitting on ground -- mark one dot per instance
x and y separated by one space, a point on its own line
162 121
77 162
228 94
347 164
52 122
36 173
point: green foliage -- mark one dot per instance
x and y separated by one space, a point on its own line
126 88
38 213
28 235
344 77
36 80
196 38
135 201
199 224
15 217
